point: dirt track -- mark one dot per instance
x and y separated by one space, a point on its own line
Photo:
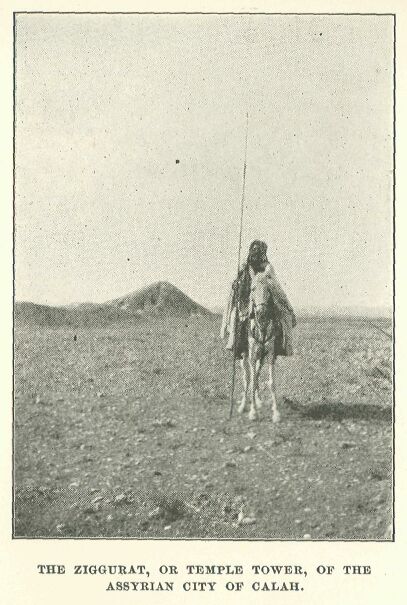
125 432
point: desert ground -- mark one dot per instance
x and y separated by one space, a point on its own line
124 431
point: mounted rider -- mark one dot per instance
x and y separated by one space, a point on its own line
239 302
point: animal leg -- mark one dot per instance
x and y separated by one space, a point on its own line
245 377
257 399
255 369
276 413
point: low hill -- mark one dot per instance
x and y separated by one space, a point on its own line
27 312
159 299
88 315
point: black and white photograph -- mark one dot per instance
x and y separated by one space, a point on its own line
203 276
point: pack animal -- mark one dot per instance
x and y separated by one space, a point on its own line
261 346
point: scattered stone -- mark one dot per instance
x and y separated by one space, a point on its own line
240 517
248 448
154 513
307 536
346 445
90 510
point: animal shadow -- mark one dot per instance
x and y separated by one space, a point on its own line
339 411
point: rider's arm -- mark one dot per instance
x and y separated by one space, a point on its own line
279 293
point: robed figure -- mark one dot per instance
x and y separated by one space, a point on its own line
238 311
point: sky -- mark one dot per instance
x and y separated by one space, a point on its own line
130 134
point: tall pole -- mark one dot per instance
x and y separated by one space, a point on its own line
232 387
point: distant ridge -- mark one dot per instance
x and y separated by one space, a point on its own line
351 311
158 299
80 315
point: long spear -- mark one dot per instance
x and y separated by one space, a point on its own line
232 388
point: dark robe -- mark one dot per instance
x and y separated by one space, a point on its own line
283 313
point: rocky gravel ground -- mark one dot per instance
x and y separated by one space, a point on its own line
124 432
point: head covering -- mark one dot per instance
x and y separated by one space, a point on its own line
257 254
